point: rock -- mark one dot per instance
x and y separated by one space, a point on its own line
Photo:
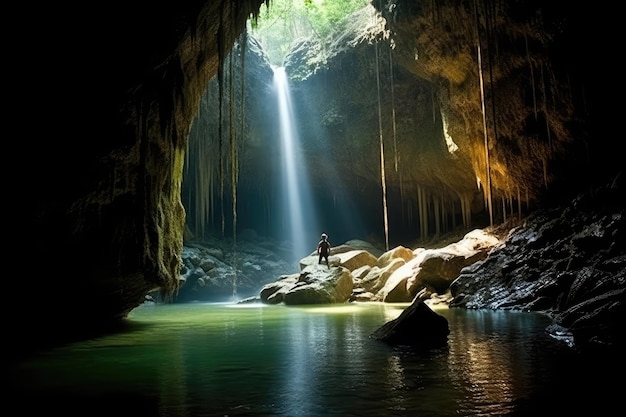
435 269
397 252
390 290
568 261
314 285
274 292
417 325
208 272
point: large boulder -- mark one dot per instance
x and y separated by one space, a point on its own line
377 277
417 326
397 252
435 269
315 284
274 292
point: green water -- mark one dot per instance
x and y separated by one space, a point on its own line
259 360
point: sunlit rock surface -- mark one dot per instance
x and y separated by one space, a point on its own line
386 278
315 284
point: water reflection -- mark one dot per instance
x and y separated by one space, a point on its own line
217 360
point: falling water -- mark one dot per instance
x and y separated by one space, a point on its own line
301 222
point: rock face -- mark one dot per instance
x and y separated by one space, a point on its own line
569 261
101 206
212 271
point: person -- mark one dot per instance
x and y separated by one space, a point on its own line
323 249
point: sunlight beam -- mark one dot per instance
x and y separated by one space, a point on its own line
301 219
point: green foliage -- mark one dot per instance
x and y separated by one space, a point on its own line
284 21
325 15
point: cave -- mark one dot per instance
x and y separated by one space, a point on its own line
118 88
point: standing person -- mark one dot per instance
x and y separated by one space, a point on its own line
323 249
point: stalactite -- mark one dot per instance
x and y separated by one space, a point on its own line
233 166
401 196
465 210
444 215
211 203
545 108
268 211
235 153
432 102
393 111
382 150
468 211
417 209
519 203
490 58
199 200
527 199
432 8
192 191
532 75
494 47
482 102
220 76
422 212
409 214
436 212
453 214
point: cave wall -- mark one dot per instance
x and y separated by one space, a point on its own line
102 219
534 114
525 102
107 114
541 103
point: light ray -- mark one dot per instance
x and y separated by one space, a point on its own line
300 221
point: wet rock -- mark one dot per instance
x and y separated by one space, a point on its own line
417 325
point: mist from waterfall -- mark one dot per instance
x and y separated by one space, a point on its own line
299 218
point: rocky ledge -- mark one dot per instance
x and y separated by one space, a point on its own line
569 262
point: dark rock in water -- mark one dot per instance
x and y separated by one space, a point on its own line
417 325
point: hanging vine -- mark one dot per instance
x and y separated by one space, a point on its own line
532 75
393 111
545 107
221 39
382 149
233 166
482 104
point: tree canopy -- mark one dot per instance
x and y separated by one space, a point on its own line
282 21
